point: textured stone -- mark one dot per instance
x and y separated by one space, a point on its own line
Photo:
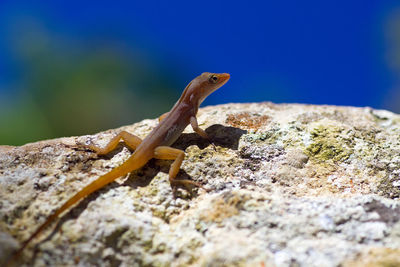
290 185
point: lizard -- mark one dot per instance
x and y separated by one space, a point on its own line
155 145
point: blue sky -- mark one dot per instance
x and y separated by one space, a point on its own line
314 51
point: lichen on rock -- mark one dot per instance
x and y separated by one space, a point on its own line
289 185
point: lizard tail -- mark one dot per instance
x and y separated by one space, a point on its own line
133 163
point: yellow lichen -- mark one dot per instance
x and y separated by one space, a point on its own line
328 143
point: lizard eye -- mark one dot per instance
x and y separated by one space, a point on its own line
213 79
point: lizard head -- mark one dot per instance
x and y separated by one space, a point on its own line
202 86
209 82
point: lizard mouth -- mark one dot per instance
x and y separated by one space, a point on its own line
224 77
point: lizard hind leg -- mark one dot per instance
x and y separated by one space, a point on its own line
132 141
166 152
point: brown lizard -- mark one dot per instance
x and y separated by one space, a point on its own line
155 145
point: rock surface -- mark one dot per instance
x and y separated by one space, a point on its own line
290 185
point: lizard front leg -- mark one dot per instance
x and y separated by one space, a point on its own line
201 132
197 129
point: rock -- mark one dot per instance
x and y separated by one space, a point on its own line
290 185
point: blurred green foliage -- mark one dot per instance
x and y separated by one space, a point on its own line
69 87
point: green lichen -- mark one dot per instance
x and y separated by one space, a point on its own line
270 136
328 143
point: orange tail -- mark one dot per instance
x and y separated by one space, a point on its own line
133 163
